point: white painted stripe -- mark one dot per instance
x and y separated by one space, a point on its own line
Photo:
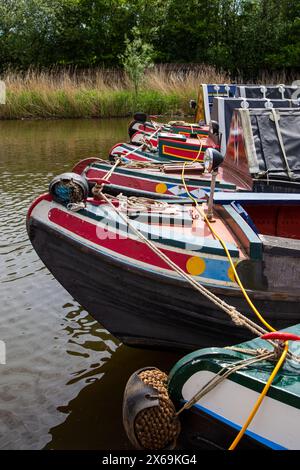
242 92
222 128
206 104
127 175
275 421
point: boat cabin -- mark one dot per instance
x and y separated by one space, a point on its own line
264 149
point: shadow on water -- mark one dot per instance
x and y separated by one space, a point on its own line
64 377
97 410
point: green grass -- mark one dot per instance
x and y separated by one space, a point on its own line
90 104
105 93
101 93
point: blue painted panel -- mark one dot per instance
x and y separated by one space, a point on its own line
222 90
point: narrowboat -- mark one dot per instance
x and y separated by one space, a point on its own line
158 181
216 416
244 397
166 146
262 155
144 124
132 263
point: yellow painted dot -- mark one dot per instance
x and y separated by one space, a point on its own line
195 266
231 274
161 188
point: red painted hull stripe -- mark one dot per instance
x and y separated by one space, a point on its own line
180 152
132 181
107 239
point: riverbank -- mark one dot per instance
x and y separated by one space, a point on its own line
102 93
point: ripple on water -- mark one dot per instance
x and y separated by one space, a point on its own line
54 348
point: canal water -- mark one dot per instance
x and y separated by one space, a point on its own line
63 381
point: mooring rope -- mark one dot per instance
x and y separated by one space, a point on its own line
234 314
141 203
142 164
221 376
110 172
237 317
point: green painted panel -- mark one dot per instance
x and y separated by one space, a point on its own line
285 388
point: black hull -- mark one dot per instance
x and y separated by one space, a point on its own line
143 309
199 431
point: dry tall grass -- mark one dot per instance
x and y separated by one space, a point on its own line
102 92
183 80
68 93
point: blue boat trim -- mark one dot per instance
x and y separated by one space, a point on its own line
253 435
241 211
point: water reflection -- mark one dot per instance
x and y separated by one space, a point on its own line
94 416
63 382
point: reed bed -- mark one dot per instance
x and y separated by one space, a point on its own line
102 93
105 93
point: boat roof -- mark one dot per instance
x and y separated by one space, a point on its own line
208 91
268 147
223 110
275 92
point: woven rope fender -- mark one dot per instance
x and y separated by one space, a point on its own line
149 416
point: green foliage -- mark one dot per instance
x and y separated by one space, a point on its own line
136 58
242 36
89 104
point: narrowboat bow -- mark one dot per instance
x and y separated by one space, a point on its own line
215 419
245 396
160 181
94 250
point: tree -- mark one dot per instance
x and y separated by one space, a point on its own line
136 58
239 36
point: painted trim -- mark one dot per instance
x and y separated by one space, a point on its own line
130 262
206 104
211 246
142 175
255 249
213 359
253 435
222 128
